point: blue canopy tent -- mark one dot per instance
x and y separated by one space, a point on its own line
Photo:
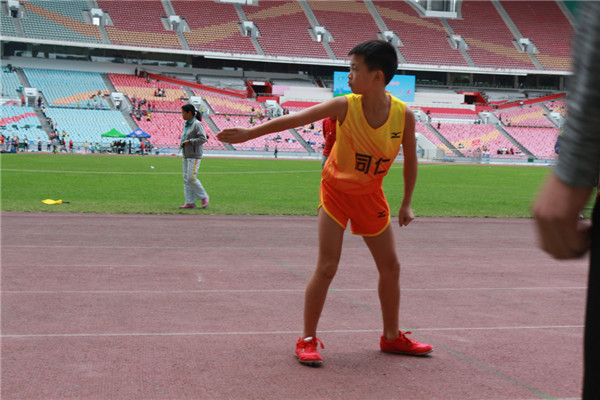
139 133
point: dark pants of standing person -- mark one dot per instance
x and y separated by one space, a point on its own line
591 384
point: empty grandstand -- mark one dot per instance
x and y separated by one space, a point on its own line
490 75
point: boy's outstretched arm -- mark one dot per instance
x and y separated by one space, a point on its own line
335 107
409 147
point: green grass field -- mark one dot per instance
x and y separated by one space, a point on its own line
128 184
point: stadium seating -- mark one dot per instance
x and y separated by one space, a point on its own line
421 128
140 88
23 123
10 84
7 26
559 106
59 20
88 125
213 26
311 133
470 138
223 104
545 24
138 24
349 22
70 88
531 116
313 136
284 29
539 141
490 43
424 39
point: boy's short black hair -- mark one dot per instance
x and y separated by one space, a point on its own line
378 54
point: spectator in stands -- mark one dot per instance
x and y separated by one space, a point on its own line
351 187
567 191
192 139
329 127
276 151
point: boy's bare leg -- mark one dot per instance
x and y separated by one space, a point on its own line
383 249
331 237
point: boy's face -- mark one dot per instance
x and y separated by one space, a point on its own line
360 78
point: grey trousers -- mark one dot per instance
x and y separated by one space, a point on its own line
192 188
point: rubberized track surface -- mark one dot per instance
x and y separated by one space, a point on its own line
209 307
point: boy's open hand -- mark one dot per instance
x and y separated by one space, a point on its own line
405 216
233 135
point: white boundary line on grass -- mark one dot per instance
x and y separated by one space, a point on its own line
155 173
177 173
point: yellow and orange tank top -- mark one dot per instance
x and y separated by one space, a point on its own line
361 155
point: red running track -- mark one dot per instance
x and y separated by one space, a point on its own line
209 307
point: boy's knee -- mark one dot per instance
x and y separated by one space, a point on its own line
327 271
391 270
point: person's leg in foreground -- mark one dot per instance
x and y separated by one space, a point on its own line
392 340
331 236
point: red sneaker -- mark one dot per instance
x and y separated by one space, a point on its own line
404 345
187 206
205 202
307 351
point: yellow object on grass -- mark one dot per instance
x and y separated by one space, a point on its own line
50 201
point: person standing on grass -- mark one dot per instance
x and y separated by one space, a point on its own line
192 139
372 125
570 186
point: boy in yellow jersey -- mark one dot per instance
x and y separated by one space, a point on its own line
371 126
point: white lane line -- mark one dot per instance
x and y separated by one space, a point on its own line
275 290
247 333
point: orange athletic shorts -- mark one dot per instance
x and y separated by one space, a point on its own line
369 214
